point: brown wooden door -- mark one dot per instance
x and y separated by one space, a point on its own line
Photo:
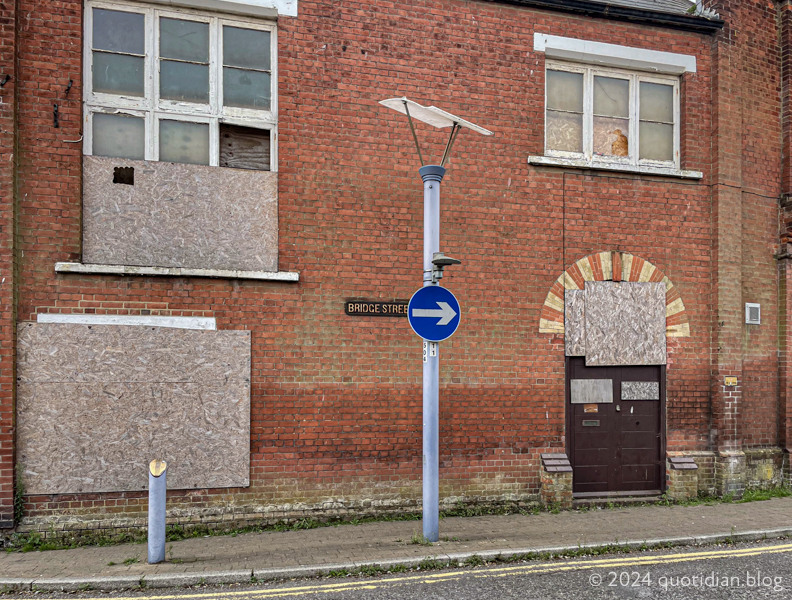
618 447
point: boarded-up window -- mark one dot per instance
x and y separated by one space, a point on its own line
244 148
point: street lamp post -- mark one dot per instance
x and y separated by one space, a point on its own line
433 314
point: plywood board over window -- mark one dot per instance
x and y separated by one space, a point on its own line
181 215
97 403
244 148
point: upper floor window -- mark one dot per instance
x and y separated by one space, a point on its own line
612 116
179 86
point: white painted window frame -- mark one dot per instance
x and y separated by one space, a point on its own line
152 108
635 78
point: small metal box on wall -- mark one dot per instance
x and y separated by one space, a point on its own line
753 314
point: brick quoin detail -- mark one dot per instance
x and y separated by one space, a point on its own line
612 266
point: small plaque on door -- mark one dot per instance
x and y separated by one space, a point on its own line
590 408
591 424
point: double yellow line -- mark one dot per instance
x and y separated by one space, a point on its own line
373 584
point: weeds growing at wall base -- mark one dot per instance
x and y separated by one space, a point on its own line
64 540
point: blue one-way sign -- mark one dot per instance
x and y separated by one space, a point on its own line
433 313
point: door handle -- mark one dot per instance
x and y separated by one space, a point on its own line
618 408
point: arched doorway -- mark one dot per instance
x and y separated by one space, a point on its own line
615 311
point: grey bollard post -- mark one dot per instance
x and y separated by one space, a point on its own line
156 510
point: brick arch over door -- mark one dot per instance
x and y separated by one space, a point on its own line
612 266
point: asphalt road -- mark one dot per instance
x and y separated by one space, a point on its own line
760 570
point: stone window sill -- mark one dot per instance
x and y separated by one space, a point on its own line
549 161
91 269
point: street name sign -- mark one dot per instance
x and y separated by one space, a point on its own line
433 313
375 308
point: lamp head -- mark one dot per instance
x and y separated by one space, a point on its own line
441 260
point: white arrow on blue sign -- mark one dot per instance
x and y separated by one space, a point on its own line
433 313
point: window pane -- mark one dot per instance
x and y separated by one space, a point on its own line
118 136
656 141
657 102
611 97
246 48
184 40
118 31
118 74
564 131
186 82
565 91
611 136
182 142
247 89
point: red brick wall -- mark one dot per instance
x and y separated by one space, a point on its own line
336 399
785 227
748 150
7 275
762 162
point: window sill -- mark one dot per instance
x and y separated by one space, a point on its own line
549 161
86 269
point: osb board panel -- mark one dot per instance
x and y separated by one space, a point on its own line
66 352
591 391
96 403
176 215
574 324
640 390
625 323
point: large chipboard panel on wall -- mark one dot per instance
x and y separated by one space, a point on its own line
96 403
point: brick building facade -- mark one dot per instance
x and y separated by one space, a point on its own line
268 400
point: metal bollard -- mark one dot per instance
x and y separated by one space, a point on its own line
156 510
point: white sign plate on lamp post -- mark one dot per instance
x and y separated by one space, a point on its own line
433 264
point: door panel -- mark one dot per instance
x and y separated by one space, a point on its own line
639 477
590 479
591 456
637 456
620 447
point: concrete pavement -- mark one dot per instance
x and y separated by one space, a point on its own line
271 555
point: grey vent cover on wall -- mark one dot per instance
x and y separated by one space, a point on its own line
753 313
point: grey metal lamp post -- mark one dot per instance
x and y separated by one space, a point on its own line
433 264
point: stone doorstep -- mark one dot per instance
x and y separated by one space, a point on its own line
244 576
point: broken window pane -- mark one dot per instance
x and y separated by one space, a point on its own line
118 74
118 31
184 40
118 136
244 148
657 102
565 91
183 142
246 89
564 131
656 141
611 97
611 136
183 81
246 48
